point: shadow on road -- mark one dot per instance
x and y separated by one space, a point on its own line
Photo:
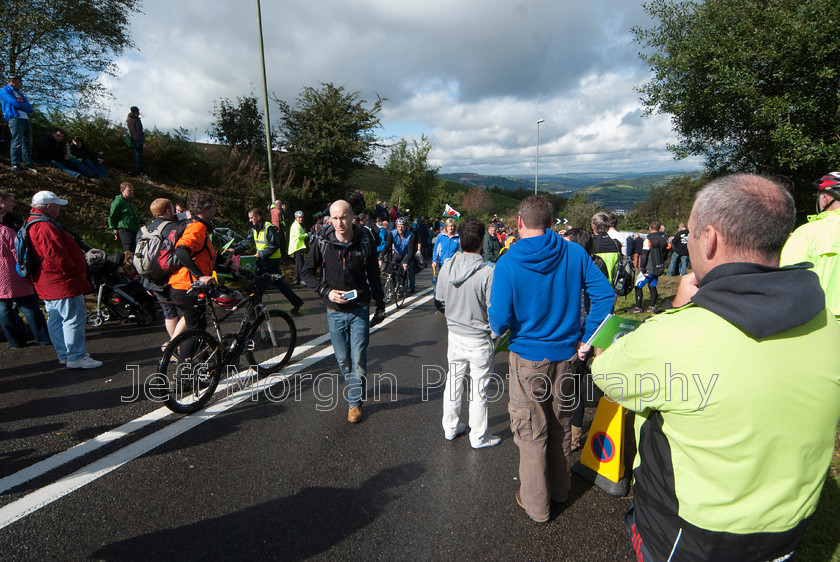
297 527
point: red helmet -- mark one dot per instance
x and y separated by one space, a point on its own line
829 183
228 299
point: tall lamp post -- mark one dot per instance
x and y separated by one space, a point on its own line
537 174
265 106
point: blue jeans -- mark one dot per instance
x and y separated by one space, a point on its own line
66 320
681 260
350 334
13 325
67 169
90 168
21 141
137 145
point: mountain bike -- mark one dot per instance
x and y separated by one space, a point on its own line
394 287
195 361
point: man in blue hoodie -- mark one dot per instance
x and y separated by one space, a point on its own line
16 110
536 295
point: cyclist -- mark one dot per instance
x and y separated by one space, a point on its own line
405 246
195 251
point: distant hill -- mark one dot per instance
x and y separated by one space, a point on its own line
617 191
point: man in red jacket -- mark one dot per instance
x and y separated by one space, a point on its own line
61 281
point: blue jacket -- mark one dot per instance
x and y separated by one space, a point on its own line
537 292
11 103
445 247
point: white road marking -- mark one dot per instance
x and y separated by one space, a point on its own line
64 486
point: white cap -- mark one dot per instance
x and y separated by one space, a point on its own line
47 198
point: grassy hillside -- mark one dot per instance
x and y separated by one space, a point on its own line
621 194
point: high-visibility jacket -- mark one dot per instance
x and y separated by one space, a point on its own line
267 241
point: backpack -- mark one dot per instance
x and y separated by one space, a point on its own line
27 262
367 242
624 276
154 256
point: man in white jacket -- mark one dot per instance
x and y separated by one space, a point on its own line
463 292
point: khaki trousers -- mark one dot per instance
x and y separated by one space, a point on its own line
541 407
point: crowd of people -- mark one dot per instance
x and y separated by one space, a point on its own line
74 157
731 469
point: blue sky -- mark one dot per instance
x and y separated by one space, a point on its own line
472 75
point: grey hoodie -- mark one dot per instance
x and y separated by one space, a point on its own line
463 286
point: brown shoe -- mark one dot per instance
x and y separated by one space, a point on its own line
354 415
535 519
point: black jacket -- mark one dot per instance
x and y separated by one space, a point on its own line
345 267
50 149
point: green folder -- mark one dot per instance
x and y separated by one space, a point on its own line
612 328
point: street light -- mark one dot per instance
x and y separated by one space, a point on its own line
537 174
265 106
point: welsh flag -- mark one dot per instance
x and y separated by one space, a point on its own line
450 212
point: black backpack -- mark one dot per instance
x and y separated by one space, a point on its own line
624 276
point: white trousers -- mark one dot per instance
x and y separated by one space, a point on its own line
471 356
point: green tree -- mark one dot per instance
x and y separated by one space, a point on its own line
329 134
62 46
238 124
751 84
409 166
579 210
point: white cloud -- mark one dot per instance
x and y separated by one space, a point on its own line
473 75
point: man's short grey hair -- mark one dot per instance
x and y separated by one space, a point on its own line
753 214
40 207
601 222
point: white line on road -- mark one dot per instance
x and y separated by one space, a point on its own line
52 492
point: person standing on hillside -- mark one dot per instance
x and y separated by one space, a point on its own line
124 219
679 253
60 280
818 241
652 265
16 110
138 140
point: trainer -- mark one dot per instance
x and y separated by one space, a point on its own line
735 417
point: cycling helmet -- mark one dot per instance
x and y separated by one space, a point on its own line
227 299
402 220
829 183
298 214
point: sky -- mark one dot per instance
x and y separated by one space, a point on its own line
474 76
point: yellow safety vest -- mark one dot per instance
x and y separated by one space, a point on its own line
261 243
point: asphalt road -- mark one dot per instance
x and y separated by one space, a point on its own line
92 471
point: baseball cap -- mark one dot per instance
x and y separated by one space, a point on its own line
15 77
47 198
298 214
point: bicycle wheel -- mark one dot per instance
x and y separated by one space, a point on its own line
192 365
399 295
271 341
388 289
